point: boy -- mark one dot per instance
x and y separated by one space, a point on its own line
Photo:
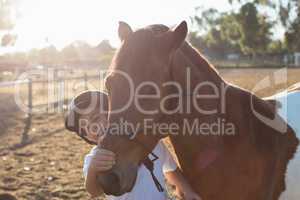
85 109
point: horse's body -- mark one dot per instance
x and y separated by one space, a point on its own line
290 111
244 166
247 164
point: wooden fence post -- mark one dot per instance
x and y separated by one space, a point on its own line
86 82
29 116
30 95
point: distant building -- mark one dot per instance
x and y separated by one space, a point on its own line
297 59
233 56
292 59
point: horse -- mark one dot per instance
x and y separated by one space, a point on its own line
156 75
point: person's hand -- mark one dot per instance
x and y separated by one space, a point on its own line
102 160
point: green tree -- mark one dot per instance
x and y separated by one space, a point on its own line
255 30
48 55
6 21
205 19
288 15
277 46
292 25
211 34
197 41
8 40
104 47
77 51
244 30
292 38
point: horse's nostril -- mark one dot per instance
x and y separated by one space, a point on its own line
114 179
110 183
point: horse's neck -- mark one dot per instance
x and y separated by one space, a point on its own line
197 78
195 151
190 69
200 63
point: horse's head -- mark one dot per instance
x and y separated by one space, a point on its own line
138 72
140 69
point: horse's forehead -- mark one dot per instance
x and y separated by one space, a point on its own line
137 49
141 39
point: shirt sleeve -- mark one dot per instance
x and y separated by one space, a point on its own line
87 161
169 163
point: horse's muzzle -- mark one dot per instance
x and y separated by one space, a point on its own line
110 183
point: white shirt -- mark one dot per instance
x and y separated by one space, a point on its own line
289 110
144 187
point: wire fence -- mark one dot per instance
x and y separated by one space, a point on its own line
34 96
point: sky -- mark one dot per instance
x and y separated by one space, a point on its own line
42 23
59 22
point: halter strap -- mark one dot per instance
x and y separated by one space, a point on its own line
149 164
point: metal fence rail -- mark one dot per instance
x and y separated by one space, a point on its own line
30 98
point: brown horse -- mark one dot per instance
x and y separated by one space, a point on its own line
245 160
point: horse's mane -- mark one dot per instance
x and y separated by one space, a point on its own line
190 52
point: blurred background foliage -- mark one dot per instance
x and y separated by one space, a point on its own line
249 28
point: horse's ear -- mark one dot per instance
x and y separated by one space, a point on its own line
179 34
124 30
173 39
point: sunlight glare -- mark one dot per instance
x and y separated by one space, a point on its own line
59 23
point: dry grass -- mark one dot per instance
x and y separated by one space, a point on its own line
249 78
50 166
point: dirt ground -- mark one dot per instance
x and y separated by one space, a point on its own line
50 166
